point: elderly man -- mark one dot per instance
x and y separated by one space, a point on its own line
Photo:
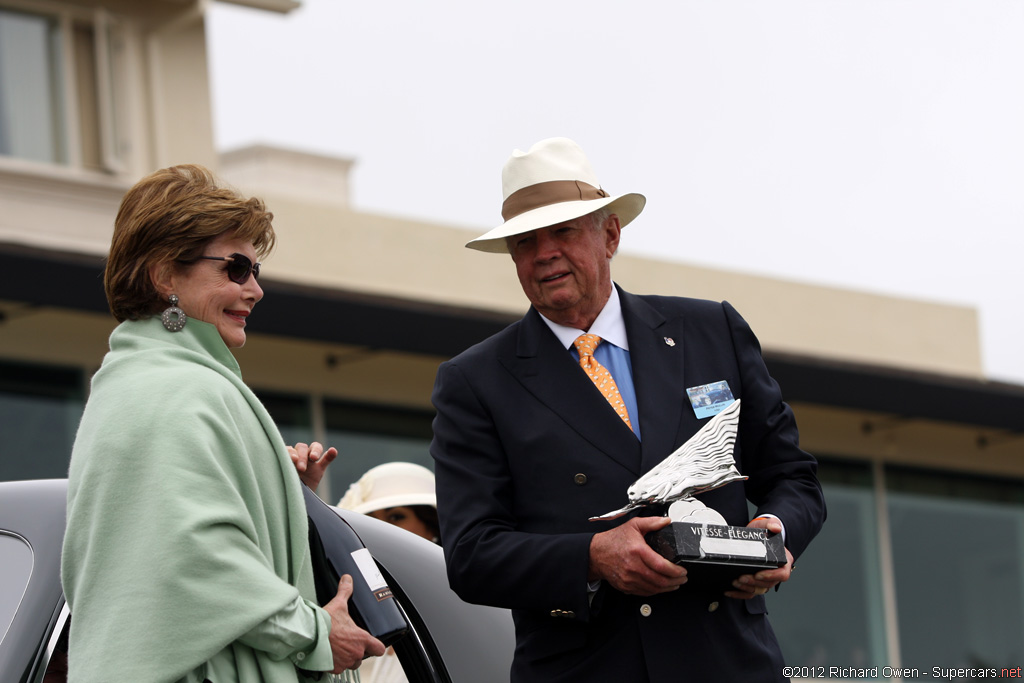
548 422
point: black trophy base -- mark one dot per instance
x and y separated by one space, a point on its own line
714 555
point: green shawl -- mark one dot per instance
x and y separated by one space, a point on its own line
186 523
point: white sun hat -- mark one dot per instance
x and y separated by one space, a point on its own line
392 484
547 185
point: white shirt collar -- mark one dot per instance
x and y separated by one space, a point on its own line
609 326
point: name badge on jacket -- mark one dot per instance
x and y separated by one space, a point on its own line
709 400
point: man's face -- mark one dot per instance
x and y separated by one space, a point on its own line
565 269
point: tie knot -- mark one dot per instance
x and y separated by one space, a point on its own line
586 343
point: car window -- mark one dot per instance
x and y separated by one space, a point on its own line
57 649
418 655
15 571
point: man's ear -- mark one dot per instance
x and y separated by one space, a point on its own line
162 277
613 230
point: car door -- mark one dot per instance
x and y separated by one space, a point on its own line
448 640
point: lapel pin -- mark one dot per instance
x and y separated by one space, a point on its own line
670 341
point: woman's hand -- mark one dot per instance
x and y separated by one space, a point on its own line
349 643
311 461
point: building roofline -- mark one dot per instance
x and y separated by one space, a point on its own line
281 6
898 392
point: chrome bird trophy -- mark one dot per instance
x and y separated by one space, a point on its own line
703 463
699 538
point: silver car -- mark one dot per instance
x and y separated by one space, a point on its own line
449 640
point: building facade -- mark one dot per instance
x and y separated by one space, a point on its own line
921 562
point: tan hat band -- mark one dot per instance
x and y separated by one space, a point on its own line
545 194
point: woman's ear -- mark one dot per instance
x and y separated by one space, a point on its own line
162 277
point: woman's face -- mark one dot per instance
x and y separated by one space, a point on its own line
205 292
404 517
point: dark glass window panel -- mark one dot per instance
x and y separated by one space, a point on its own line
816 624
958 554
367 436
40 408
291 413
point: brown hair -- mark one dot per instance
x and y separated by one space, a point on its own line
170 217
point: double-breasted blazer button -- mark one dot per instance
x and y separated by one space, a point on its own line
645 610
580 479
713 606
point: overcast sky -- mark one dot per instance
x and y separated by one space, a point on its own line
876 145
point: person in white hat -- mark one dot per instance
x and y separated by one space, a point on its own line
547 423
400 493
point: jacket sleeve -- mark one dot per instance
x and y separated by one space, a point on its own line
783 477
489 561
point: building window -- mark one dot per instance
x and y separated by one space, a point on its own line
31 121
366 436
954 560
958 558
291 413
59 97
40 408
816 624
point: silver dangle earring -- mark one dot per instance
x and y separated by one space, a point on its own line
174 318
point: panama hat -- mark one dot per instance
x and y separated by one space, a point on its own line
392 484
550 184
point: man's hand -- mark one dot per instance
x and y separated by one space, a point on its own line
622 557
311 461
349 643
749 585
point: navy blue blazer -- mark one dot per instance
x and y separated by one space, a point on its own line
522 463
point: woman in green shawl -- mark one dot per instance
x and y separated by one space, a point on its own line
186 556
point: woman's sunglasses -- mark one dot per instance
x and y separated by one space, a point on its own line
239 267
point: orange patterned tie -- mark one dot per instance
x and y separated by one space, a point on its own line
599 375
